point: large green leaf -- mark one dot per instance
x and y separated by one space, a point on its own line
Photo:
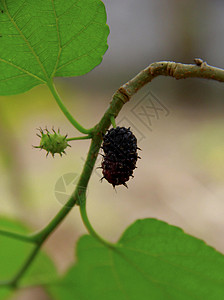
13 254
153 260
47 38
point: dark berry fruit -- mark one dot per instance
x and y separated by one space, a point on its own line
119 161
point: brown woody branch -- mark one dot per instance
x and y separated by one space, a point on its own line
177 70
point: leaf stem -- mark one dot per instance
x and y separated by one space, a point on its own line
78 126
14 282
90 229
17 236
43 234
86 137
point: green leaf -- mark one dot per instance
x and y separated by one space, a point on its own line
153 260
13 254
47 38
5 293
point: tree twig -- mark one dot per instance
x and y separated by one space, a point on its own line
177 70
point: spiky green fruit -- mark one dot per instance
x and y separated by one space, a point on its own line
52 142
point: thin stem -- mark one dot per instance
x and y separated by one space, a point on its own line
13 283
172 69
43 234
65 111
79 138
80 190
91 229
17 236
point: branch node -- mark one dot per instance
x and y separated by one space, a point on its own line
171 69
198 61
124 97
203 66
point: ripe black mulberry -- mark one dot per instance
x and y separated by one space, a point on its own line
119 161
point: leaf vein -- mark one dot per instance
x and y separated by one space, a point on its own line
116 276
83 29
25 39
174 265
21 69
77 58
59 39
67 10
160 284
13 77
19 9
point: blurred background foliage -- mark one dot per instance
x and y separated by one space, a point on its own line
180 178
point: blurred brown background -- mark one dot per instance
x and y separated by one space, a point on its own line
180 178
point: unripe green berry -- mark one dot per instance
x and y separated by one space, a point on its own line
53 142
